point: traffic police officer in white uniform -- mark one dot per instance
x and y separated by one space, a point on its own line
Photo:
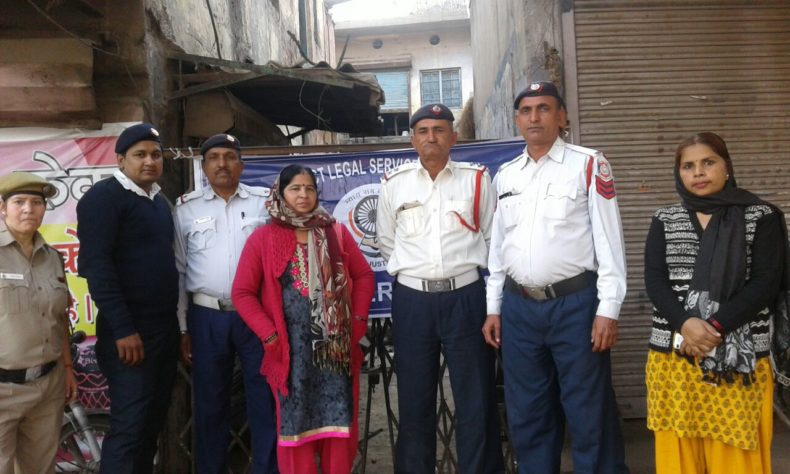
212 224
433 224
557 266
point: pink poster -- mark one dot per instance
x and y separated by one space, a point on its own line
71 160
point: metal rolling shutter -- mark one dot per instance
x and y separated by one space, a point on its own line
650 73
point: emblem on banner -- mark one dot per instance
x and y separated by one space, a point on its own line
357 210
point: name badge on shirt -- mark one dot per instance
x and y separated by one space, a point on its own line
201 220
12 276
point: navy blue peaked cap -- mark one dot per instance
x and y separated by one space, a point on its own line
431 111
221 140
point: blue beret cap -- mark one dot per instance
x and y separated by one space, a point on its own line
221 140
134 134
539 89
431 111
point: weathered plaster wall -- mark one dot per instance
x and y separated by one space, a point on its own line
248 30
514 42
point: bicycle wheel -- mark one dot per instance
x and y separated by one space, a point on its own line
73 453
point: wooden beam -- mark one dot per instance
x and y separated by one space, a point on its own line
45 51
209 86
45 75
48 119
48 99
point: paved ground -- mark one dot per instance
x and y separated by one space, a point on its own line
639 448
638 439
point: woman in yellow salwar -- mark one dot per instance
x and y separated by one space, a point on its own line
713 267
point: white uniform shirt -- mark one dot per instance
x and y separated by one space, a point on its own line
130 185
419 232
557 217
209 237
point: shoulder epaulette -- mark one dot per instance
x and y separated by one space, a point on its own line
580 149
189 197
259 191
470 166
506 164
401 168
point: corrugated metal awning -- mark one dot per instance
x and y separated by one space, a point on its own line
316 98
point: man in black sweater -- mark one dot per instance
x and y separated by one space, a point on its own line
126 254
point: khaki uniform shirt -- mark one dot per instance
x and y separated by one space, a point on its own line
34 298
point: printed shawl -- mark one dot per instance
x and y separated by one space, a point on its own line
328 291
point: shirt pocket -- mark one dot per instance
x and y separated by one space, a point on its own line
455 210
409 221
13 296
250 223
559 200
60 295
511 210
201 235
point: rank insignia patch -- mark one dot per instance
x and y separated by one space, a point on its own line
604 181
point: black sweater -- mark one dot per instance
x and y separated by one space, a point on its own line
126 254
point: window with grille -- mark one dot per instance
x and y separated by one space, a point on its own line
442 86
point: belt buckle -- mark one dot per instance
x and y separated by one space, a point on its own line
32 373
436 286
535 293
225 305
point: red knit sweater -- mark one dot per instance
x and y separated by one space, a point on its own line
257 296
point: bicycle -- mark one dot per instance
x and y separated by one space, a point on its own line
83 429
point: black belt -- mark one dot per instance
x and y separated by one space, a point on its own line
555 290
21 376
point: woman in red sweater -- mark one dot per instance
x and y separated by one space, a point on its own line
304 288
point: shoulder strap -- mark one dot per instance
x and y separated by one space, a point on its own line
476 204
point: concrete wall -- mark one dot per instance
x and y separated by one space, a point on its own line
453 51
253 31
514 42
248 30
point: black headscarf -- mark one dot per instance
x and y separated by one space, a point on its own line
720 273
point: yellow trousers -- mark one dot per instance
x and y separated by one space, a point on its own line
676 455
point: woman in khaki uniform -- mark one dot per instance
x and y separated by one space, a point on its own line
36 377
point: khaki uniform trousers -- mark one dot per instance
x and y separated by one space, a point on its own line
31 415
